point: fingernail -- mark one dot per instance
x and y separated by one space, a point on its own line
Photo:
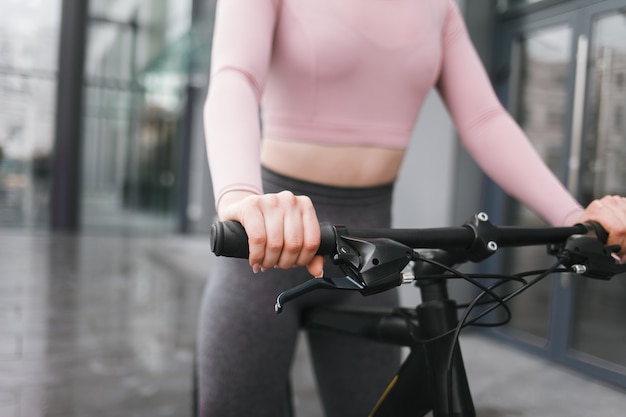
321 275
256 268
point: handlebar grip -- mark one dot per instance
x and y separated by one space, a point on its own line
598 229
230 239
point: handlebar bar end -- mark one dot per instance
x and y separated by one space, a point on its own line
229 239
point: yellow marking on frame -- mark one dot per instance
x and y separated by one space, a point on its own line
382 397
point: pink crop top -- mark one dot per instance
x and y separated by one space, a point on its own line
356 72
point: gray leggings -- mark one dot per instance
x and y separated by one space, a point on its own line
245 350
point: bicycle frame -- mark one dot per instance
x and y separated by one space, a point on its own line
421 384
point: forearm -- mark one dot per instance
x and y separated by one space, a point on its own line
242 48
491 136
502 150
232 135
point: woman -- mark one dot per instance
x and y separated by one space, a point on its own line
340 84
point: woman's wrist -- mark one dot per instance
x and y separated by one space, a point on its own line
230 198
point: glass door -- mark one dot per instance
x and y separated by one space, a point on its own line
598 325
538 94
565 85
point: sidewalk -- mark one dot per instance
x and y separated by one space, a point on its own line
105 326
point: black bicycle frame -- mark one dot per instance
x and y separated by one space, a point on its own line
423 383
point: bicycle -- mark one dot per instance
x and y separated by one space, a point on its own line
432 377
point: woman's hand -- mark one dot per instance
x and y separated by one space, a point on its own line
610 212
283 230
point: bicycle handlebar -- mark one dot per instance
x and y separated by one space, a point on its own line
373 259
229 238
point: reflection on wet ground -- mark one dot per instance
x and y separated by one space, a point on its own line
97 326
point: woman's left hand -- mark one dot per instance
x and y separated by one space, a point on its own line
610 212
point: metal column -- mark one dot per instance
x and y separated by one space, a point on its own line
65 191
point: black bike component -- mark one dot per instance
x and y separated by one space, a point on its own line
341 283
410 392
433 376
385 325
421 384
596 229
371 266
588 257
452 395
437 315
230 239
376 262
449 388
426 382
485 241
434 288
463 237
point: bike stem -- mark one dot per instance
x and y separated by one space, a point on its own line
437 315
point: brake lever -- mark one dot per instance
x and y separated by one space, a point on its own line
340 283
371 266
587 256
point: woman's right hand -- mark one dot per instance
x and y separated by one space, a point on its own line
610 212
283 230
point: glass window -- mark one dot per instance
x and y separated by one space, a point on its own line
136 68
538 101
599 329
29 40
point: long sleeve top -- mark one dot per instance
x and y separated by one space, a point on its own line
356 72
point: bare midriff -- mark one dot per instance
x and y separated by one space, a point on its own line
344 166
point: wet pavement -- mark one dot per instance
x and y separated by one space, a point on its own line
104 326
97 326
